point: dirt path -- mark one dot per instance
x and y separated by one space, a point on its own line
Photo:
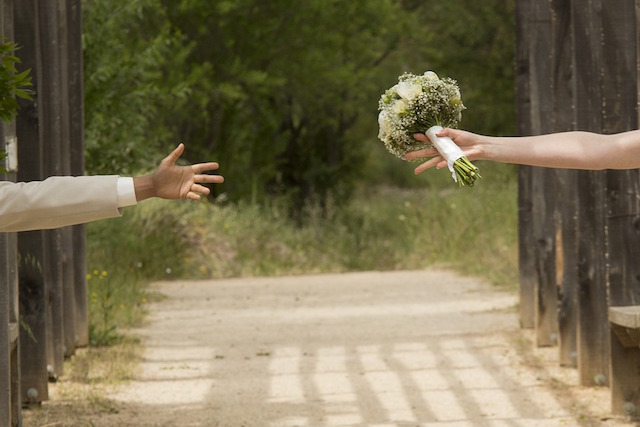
417 348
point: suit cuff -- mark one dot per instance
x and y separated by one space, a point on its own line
126 192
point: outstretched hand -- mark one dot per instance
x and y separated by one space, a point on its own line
171 181
467 141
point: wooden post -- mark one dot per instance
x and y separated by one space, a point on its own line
32 246
51 131
593 352
623 189
543 179
76 138
566 182
525 235
66 254
9 334
10 402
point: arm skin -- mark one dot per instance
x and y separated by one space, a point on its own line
569 150
170 181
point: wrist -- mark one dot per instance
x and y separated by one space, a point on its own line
144 187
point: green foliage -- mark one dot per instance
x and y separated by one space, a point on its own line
134 67
12 84
283 93
474 43
284 83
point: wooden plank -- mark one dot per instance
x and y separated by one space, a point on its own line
13 333
50 122
625 383
592 339
9 133
67 253
567 266
543 179
620 99
33 287
627 316
76 138
565 213
5 352
526 267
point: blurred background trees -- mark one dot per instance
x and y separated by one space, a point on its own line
283 93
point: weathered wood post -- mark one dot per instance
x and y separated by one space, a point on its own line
565 214
10 402
593 352
32 245
66 246
543 179
526 268
620 98
76 139
51 133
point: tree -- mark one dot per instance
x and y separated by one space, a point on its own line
133 67
284 82
283 92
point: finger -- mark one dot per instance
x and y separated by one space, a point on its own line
200 189
428 164
425 152
202 167
193 196
421 137
442 164
209 179
443 132
175 154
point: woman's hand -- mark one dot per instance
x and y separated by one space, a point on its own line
467 141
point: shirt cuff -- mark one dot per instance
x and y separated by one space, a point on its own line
126 192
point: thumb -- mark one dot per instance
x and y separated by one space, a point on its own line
175 154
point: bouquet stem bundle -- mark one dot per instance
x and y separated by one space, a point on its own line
462 170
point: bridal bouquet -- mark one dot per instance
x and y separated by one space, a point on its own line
424 104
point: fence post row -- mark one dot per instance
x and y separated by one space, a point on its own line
578 70
48 267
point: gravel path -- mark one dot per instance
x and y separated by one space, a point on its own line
411 348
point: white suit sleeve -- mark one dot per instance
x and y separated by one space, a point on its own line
60 201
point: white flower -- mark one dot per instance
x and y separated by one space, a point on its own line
384 123
430 75
409 90
399 106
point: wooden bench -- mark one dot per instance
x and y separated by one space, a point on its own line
625 359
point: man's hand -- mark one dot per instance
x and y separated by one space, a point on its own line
171 181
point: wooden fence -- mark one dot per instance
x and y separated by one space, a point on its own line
577 69
45 275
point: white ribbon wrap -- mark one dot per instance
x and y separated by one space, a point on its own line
446 147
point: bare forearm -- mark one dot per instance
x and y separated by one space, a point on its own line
572 150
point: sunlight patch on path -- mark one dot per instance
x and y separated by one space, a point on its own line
171 375
454 383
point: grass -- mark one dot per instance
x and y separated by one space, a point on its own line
471 230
